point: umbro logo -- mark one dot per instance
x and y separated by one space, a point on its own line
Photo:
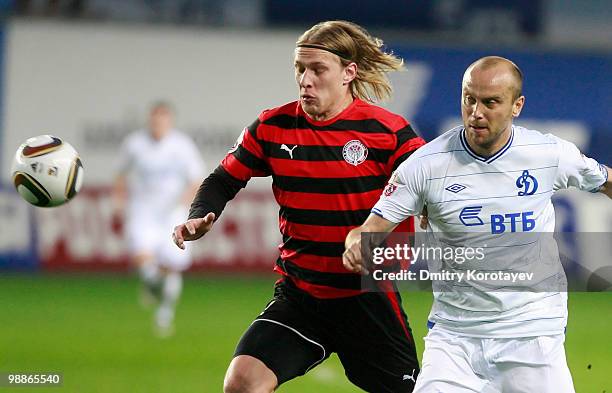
455 188
288 150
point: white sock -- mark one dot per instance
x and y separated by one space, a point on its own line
150 274
171 291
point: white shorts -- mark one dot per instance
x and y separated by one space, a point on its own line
151 233
458 364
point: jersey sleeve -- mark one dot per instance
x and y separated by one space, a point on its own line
577 170
407 143
404 194
246 158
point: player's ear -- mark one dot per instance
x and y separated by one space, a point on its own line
350 73
517 107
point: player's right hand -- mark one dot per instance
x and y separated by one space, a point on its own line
192 229
351 258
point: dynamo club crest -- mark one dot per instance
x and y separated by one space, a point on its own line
527 183
354 152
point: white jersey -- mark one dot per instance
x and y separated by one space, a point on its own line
503 203
159 170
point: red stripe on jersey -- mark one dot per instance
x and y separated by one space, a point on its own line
317 201
310 137
330 233
409 146
238 170
234 166
324 292
315 262
325 169
357 110
250 143
364 111
313 232
319 291
397 310
405 226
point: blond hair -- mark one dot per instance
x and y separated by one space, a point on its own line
352 43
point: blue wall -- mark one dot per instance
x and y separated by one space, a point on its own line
557 86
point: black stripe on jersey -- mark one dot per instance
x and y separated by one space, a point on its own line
289 122
253 129
320 153
215 191
404 135
322 249
402 158
324 217
345 185
335 280
249 159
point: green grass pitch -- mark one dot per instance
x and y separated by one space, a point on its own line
92 330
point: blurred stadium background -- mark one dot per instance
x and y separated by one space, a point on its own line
86 70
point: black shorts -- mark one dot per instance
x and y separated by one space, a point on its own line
369 332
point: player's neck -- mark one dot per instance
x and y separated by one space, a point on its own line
489 150
158 135
336 110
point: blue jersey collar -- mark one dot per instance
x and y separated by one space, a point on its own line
492 158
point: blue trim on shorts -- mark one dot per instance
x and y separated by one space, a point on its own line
431 324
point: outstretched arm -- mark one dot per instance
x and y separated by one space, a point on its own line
216 190
245 160
352 258
119 194
210 200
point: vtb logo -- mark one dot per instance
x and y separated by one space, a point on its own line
527 183
469 216
500 223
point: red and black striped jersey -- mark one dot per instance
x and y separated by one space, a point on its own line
326 176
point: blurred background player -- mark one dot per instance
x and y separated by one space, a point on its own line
159 170
330 154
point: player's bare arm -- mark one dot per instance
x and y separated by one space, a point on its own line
190 193
119 193
351 259
192 229
607 186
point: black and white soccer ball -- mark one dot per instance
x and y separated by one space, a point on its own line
47 171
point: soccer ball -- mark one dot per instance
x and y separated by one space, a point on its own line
46 171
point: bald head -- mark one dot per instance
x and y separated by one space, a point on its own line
501 66
490 99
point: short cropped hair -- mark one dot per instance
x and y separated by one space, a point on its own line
490 61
